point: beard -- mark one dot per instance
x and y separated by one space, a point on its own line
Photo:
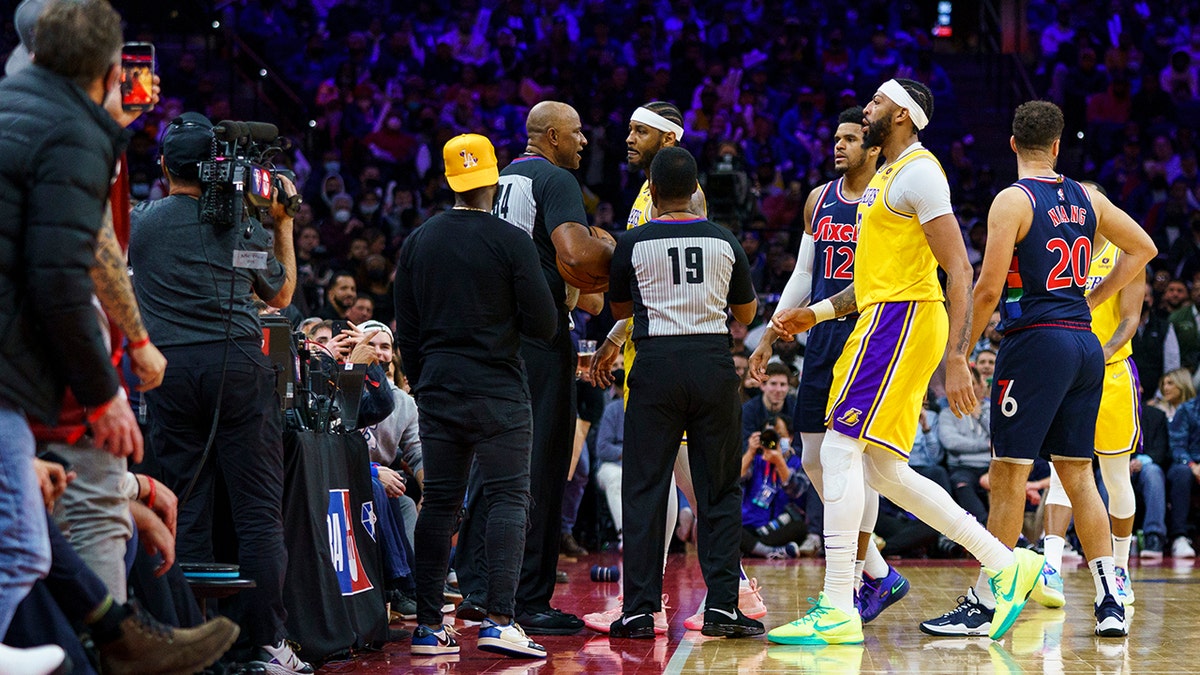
877 132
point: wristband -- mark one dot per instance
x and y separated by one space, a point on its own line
153 492
140 343
823 311
618 334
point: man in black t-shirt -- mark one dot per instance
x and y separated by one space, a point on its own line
675 276
468 289
197 304
539 195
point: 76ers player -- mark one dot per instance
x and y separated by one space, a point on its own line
825 266
1050 369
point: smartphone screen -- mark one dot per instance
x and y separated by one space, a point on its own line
137 76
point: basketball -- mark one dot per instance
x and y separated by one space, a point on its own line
591 277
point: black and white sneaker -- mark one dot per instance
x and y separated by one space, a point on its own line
637 626
1110 618
969 619
723 623
509 640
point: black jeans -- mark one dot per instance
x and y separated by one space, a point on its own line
498 435
551 372
247 453
680 384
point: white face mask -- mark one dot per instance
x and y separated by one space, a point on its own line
368 209
785 445
342 215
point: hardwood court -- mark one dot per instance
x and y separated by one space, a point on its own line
1164 630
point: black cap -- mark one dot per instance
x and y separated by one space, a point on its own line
187 142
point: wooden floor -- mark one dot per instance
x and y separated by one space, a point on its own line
1164 630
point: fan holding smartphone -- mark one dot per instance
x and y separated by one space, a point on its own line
137 76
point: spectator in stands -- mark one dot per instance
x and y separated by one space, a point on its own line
610 440
1183 478
1175 388
967 442
1148 469
362 310
342 293
775 401
1182 344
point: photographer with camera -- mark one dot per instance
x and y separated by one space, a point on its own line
773 488
196 278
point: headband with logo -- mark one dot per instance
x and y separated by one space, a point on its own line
895 91
656 121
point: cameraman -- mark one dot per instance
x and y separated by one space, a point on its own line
198 307
773 487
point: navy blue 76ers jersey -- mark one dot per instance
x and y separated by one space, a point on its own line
835 236
1049 268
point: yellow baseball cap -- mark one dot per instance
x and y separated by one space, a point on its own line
470 162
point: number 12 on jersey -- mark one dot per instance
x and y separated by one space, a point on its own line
692 269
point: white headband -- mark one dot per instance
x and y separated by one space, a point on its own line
656 121
895 91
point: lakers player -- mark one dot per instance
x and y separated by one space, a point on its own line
825 266
1118 431
907 228
654 126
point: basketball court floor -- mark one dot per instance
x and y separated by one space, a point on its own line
1164 630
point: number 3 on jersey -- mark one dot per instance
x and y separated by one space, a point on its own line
844 269
1077 256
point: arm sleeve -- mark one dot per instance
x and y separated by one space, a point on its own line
535 305
69 189
741 286
620 276
561 200
920 188
798 290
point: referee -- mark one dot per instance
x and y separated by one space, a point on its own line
675 276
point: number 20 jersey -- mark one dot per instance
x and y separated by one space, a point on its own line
1049 269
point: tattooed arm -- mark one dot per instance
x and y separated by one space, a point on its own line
111 279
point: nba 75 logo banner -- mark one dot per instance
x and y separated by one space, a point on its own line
342 548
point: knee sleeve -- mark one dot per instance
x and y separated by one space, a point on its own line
870 507
1115 472
841 465
1056 496
810 458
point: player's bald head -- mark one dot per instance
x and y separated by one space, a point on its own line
549 115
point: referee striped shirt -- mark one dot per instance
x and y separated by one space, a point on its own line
681 276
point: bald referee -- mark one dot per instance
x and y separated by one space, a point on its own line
675 276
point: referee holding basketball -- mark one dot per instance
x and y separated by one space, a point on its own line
675 276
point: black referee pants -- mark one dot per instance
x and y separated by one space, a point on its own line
550 368
682 384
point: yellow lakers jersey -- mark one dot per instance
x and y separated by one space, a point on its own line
1107 316
893 262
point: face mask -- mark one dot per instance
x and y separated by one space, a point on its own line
785 445
342 215
393 124
368 209
333 167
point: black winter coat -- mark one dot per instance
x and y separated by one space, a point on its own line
58 150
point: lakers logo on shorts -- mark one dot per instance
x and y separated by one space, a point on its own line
851 417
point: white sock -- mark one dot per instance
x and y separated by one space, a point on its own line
858 574
983 590
1053 546
1105 575
918 495
1121 551
842 468
876 566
